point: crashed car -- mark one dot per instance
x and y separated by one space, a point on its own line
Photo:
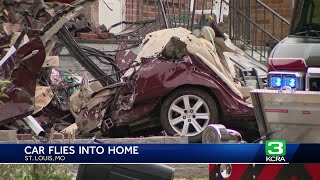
178 82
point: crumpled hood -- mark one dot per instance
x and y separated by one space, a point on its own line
156 41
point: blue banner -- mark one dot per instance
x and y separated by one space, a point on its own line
160 153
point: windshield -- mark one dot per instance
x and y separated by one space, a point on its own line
306 18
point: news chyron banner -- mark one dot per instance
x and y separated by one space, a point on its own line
273 151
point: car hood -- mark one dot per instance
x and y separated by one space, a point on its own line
299 47
155 42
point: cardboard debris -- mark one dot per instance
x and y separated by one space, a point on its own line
70 129
43 97
51 61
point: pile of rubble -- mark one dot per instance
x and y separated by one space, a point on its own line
30 26
83 29
16 14
34 14
53 97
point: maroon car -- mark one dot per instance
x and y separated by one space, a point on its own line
179 83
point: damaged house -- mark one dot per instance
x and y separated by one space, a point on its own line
178 82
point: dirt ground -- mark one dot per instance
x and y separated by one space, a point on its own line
190 171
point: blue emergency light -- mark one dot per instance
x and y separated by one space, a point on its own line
282 80
279 82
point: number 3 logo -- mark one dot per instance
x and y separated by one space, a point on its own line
275 148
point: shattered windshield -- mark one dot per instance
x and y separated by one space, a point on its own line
306 18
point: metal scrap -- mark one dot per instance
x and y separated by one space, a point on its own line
22 91
68 84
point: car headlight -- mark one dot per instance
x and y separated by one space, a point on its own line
285 80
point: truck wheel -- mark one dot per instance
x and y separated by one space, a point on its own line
187 112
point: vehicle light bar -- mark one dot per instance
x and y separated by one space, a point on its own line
285 80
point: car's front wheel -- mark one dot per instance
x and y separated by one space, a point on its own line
187 112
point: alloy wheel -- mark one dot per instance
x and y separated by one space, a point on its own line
189 115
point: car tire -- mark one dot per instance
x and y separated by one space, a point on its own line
180 119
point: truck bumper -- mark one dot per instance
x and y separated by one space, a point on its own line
293 116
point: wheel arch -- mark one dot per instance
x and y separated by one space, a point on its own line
205 88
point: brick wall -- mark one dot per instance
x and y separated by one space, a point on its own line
148 9
282 7
177 10
141 9
274 25
91 12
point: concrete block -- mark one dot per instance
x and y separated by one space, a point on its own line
8 135
176 140
23 137
88 36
